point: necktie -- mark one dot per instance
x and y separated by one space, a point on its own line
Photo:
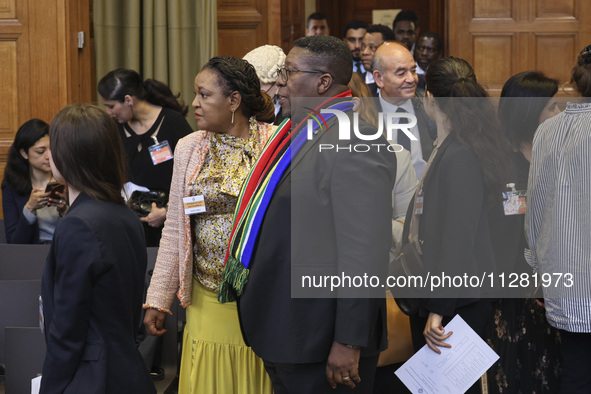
358 69
403 139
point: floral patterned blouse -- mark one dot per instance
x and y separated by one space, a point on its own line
225 168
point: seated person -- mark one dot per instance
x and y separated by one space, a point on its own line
30 214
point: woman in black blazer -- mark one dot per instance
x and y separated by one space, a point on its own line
463 178
93 282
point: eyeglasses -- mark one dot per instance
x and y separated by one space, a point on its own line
284 72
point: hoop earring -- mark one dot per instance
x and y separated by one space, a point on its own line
232 115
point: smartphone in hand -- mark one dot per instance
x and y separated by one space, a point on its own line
55 188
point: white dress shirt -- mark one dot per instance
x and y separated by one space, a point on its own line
416 151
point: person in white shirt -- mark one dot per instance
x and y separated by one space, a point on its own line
394 70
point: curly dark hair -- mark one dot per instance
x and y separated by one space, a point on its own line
581 72
238 75
17 171
121 82
473 123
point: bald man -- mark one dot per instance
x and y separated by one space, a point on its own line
395 73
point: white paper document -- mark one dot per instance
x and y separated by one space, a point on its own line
453 371
35 385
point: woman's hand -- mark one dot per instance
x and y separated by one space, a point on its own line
154 321
156 217
60 204
435 333
37 200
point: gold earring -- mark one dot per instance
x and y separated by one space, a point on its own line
232 115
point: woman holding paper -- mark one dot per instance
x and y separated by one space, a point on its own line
234 117
463 177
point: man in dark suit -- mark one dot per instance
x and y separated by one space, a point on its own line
353 36
329 216
395 74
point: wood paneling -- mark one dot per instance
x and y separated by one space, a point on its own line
493 9
492 56
546 35
8 89
246 24
41 68
7 9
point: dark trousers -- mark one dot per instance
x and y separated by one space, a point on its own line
311 378
575 377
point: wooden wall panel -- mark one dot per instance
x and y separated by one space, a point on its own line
547 36
492 55
555 9
8 90
246 24
41 68
7 9
493 9
563 46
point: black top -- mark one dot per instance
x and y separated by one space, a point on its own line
171 126
507 231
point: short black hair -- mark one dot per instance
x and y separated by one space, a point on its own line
317 16
354 24
434 36
387 33
406 15
331 54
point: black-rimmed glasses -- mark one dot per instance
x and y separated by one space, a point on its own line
284 72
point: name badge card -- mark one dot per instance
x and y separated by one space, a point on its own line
160 152
515 202
419 205
194 204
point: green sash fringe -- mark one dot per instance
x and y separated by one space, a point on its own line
235 276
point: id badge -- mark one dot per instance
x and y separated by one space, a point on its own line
160 152
514 202
419 205
194 204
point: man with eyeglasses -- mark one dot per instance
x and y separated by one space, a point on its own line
329 214
375 36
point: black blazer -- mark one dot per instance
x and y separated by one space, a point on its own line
427 127
331 213
453 228
92 291
18 229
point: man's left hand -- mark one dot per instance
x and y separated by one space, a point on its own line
342 366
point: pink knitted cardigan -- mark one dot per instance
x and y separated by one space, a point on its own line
173 272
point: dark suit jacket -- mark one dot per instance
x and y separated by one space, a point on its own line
427 127
18 229
329 214
92 292
453 228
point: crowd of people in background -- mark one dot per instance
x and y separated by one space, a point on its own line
248 203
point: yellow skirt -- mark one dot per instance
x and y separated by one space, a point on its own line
215 359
